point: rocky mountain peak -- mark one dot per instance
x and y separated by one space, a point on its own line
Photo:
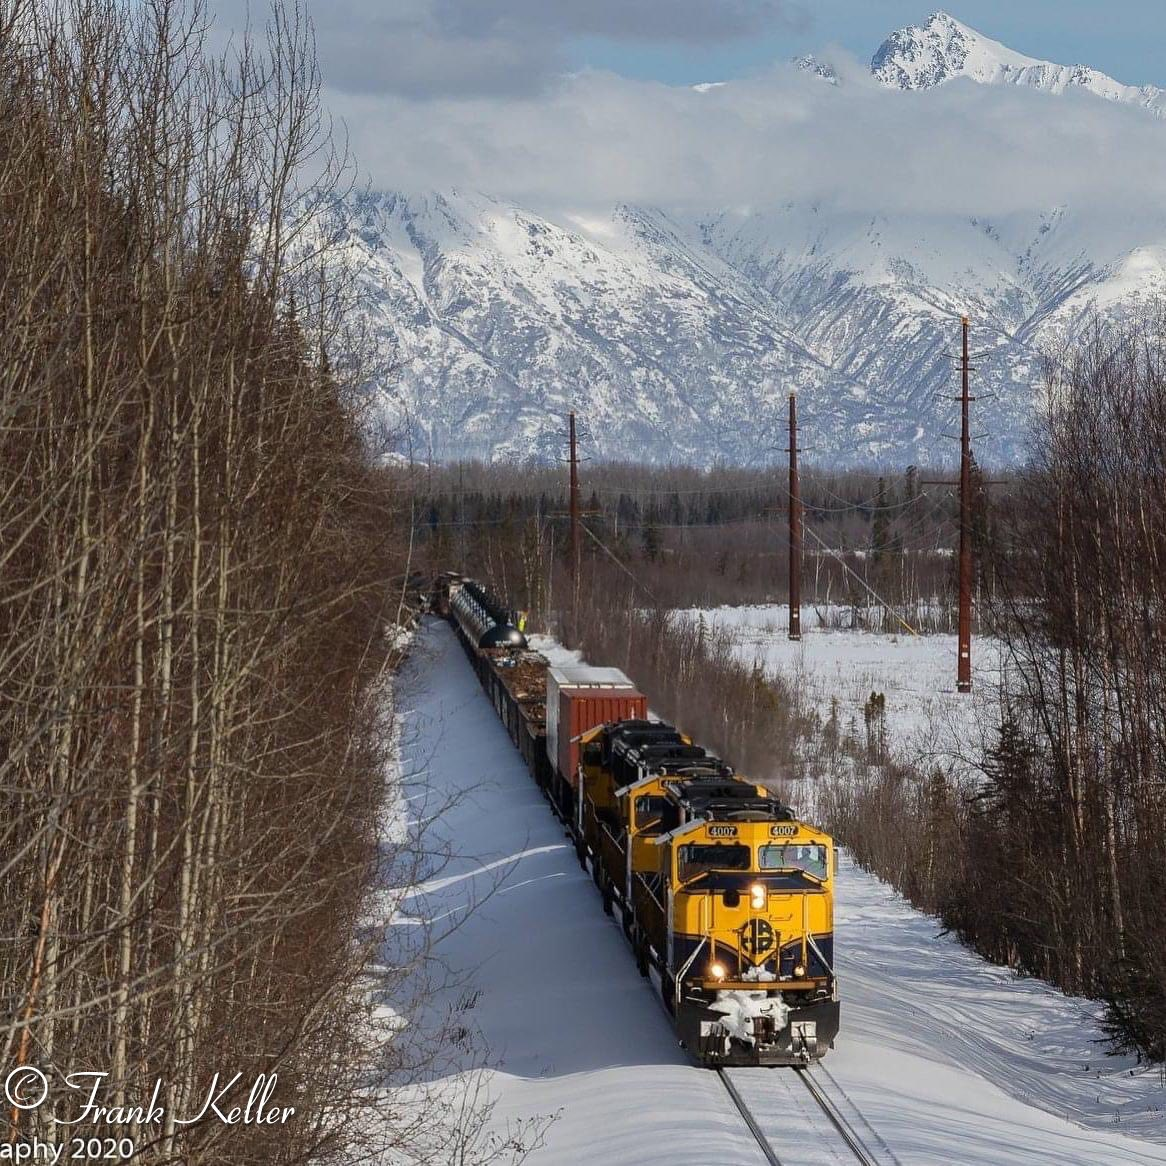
923 56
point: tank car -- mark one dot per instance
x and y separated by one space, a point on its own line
485 622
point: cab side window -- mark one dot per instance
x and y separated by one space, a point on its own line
653 814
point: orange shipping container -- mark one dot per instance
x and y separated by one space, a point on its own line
581 709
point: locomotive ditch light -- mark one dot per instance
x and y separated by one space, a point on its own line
799 972
757 896
717 971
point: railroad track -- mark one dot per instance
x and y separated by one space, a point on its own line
801 1117
754 1127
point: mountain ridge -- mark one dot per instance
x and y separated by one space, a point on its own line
678 335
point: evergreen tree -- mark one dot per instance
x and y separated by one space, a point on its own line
651 539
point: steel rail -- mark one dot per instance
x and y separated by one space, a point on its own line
762 1141
854 1143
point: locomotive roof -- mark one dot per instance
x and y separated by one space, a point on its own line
628 735
640 744
663 750
753 810
697 769
722 798
702 787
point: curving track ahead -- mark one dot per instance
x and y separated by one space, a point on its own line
803 1115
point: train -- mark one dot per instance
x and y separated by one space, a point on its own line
721 889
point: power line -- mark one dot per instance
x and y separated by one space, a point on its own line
861 506
425 524
766 488
861 581
765 519
657 491
625 569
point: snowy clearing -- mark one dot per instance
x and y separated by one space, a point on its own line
949 1059
926 718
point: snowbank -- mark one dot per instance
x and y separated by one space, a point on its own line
952 1061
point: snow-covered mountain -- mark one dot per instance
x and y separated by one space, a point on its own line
922 56
677 336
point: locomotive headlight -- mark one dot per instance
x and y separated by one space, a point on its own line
717 971
757 896
799 972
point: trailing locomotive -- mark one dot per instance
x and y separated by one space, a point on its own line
721 889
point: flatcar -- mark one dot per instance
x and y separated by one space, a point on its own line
721 889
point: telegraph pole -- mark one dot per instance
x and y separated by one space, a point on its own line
964 668
795 526
574 507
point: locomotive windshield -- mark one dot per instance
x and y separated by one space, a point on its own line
700 858
810 857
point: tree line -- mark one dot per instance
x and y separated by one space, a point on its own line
201 563
702 538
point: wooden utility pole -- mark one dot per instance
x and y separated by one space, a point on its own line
574 508
795 526
964 666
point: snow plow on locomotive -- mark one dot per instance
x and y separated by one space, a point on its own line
723 892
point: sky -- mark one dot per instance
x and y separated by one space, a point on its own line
1124 38
578 105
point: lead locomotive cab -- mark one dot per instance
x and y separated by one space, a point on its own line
749 958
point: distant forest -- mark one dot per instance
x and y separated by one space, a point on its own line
693 538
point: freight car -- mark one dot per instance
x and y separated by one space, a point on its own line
721 889
484 621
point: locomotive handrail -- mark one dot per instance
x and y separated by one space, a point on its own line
818 952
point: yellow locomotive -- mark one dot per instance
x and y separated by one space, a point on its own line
722 891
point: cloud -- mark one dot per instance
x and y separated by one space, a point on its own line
415 59
489 48
659 21
598 139
474 95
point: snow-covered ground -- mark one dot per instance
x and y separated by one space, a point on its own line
950 1060
926 718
